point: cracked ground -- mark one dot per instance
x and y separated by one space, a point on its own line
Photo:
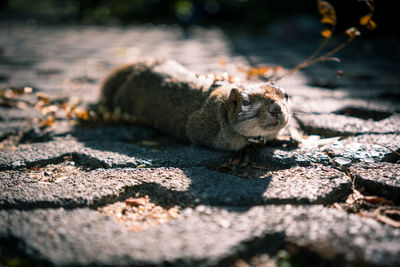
118 194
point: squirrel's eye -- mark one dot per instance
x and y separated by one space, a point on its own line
286 96
246 103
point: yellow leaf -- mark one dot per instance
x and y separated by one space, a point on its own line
327 11
43 97
352 32
82 114
47 122
371 25
365 19
328 20
325 7
326 33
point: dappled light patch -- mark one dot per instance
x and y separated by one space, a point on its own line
140 213
55 172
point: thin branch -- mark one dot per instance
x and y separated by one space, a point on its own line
324 57
317 51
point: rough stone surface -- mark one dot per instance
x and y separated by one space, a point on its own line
378 178
54 179
105 155
86 237
182 186
339 125
365 148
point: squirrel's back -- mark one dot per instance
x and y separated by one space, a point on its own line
159 93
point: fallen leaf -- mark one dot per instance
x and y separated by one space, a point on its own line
141 166
47 122
82 114
261 72
43 97
377 200
173 212
141 201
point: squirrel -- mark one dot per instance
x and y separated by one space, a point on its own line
209 110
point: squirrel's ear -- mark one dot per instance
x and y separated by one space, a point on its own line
234 97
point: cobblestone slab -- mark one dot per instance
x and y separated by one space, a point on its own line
329 125
363 148
200 236
59 188
286 158
340 102
105 155
378 178
339 152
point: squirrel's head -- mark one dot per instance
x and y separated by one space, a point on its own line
257 109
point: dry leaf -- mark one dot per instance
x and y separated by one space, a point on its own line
352 32
377 200
327 11
368 22
47 122
328 20
326 33
43 97
365 19
173 212
82 114
135 201
371 25
262 71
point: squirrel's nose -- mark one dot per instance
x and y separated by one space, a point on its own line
275 109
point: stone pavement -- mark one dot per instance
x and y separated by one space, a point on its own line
73 194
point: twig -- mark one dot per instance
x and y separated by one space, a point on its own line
311 60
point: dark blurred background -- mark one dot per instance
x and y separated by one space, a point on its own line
250 15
